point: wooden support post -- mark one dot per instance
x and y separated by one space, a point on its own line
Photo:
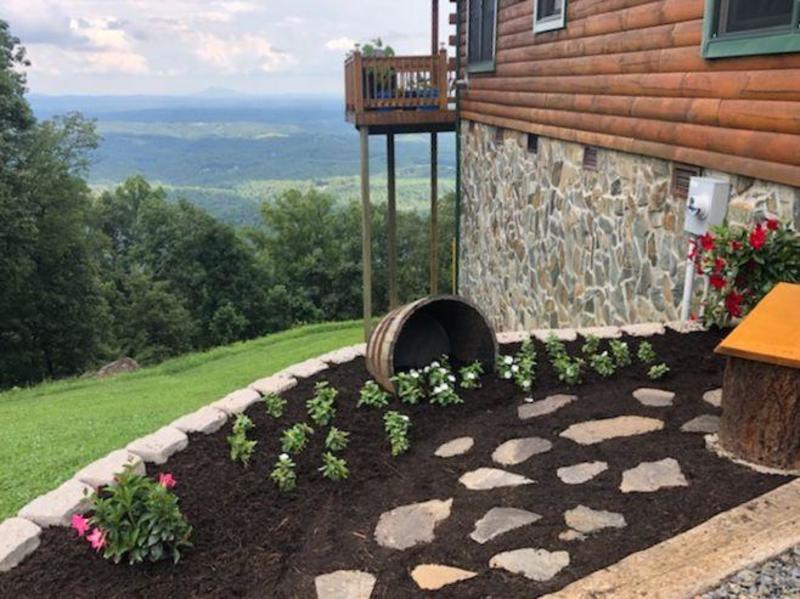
366 233
434 27
391 224
434 214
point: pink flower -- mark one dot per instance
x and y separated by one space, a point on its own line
166 480
97 538
80 524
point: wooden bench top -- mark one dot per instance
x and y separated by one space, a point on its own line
771 332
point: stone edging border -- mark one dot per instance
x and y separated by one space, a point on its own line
20 536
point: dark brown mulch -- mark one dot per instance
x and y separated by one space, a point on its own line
250 541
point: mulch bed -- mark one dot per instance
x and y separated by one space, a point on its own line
251 541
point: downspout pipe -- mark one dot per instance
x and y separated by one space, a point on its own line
457 260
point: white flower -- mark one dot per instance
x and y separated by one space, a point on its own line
506 375
451 378
284 457
515 368
526 384
528 400
508 360
434 365
414 374
470 376
404 417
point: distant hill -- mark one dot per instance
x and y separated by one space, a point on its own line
218 146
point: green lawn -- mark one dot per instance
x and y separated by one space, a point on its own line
50 431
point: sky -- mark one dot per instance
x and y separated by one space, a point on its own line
174 47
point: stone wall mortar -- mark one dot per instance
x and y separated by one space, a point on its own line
547 243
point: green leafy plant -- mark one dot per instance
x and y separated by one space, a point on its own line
524 367
333 468
646 353
336 440
441 381
295 439
397 426
409 386
620 352
743 265
505 367
591 346
284 475
658 371
570 370
555 347
373 396
274 404
322 408
603 364
471 376
241 448
136 519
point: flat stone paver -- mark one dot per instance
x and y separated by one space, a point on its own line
536 564
644 330
455 447
484 479
306 369
649 477
238 401
411 525
276 383
654 398
571 535
432 577
103 471
707 424
586 520
516 451
597 431
713 397
545 406
159 446
345 584
206 420
501 520
581 473
57 507
18 539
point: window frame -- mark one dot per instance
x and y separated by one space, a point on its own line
748 43
484 66
549 23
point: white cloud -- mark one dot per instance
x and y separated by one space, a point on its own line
340 44
101 32
240 54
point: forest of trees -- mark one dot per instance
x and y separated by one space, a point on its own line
86 278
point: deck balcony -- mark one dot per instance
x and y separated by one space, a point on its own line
400 94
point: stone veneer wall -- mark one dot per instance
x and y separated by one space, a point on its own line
547 243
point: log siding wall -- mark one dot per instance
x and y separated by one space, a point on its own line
629 75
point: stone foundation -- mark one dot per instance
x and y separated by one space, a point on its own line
547 243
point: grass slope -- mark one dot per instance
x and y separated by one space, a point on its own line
50 431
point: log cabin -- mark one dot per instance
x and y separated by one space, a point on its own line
580 125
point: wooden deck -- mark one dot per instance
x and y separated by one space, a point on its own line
400 94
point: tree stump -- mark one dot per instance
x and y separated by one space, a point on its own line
761 413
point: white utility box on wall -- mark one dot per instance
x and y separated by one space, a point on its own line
707 205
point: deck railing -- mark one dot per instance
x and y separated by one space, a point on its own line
397 82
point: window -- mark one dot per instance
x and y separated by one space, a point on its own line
681 178
549 15
481 35
747 27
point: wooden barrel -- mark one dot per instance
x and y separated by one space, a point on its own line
416 334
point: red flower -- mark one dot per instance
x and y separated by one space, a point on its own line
707 241
736 245
719 265
166 480
733 304
717 282
758 237
773 224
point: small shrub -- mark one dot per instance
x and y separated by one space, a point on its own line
136 519
397 426
284 475
333 468
471 376
658 371
569 370
603 364
591 346
275 405
336 440
441 381
409 386
555 347
373 396
646 354
242 424
505 365
295 439
525 363
621 353
241 447
322 408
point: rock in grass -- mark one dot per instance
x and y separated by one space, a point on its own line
57 507
345 584
536 564
500 520
411 525
432 577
